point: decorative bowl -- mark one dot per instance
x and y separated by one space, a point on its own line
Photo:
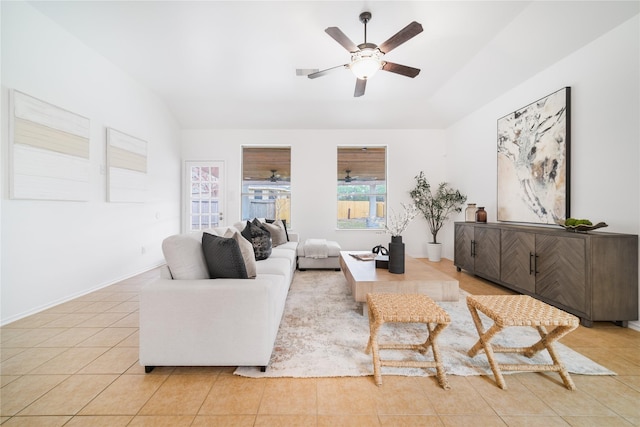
582 227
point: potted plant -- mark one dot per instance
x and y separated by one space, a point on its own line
436 208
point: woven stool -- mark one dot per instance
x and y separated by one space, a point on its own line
406 308
520 310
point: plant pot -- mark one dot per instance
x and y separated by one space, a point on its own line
434 251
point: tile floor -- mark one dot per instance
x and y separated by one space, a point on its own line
76 365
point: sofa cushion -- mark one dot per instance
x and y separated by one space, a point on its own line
183 253
259 238
277 266
223 257
290 246
246 248
277 231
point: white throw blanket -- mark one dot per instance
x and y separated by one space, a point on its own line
316 248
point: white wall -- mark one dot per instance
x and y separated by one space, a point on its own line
52 251
313 175
605 132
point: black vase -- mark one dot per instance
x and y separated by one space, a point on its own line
396 255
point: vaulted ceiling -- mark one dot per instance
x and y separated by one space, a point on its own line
232 64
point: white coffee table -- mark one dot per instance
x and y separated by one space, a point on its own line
418 278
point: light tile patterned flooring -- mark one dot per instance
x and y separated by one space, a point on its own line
76 365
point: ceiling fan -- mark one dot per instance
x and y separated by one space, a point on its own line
348 177
366 58
274 177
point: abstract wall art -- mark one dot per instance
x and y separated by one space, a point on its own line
48 151
126 167
533 161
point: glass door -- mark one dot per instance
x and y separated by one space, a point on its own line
204 190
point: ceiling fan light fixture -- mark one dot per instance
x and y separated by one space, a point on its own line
366 62
366 58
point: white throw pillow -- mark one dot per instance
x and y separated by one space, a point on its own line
278 233
184 256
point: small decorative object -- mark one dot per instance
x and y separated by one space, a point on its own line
382 257
481 214
580 225
380 250
437 207
470 212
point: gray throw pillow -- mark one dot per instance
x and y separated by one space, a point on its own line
223 257
259 238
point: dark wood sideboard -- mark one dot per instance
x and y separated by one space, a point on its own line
592 275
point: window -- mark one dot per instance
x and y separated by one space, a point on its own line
362 188
266 183
204 189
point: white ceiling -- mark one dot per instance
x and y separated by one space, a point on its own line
232 64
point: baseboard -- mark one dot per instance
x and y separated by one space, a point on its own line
67 298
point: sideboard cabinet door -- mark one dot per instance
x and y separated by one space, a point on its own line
477 249
561 271
487 252
518 260
463 247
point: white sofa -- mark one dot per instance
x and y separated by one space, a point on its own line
197 321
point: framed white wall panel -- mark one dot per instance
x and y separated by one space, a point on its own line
49 151
127 167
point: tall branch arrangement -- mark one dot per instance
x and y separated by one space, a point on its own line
436 207
397 223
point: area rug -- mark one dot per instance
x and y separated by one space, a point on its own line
324 334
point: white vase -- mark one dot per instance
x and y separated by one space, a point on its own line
434 251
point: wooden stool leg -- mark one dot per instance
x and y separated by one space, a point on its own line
372 345
488 350
484 343
440 372
377 374
548 343
480 328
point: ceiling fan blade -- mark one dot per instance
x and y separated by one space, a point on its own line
408 32
361 84
306 71
401 69
337 34
323 72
